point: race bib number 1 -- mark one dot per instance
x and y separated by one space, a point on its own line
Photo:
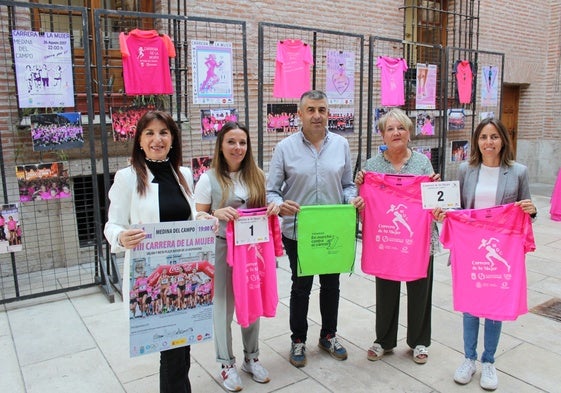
251 230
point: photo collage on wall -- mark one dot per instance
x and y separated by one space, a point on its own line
200 165
459 151
57 131
10 229
44 181
212 121
282 118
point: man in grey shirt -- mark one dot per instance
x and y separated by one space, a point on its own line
311 167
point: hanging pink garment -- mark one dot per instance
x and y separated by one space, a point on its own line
555 210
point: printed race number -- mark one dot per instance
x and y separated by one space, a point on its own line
444 194
251 230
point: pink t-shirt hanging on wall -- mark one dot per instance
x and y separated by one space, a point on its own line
146 56
487 254
464 77
393 87
292 73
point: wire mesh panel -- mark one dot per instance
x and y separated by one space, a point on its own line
336 66
208 84
46 146
415 85
204 49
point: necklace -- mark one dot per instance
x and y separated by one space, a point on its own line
165 160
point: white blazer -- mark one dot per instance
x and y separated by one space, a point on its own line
127 207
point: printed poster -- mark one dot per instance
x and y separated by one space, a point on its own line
172 284
10 229
489 86
57 131
212 72
426 86
212 121
340 83
43 63
43 181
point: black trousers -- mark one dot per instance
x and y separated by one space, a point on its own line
300 297
174 370
419 306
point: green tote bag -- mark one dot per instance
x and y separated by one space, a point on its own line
326 239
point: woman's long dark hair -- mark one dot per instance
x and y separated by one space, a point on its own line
506 154
138 157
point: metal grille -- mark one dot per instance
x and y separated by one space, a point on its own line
320 42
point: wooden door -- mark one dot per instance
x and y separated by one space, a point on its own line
509 114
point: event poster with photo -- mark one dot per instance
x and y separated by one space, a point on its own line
212 72
10 229
489 86
44 181
57 131
43 63
171 286
340 82
426 86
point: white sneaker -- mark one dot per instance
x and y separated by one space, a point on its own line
489 380
464 373
258 372
230 378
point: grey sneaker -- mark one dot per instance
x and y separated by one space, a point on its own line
298 354
464 373
230 378
489 380
258 372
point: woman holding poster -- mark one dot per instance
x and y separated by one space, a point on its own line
234 181
154 188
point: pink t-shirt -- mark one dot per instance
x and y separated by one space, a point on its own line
555 209
393 87
396 230
254 271
464 77
292 73
146 56
487 253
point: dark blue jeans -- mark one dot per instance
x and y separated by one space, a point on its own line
174 370
300 297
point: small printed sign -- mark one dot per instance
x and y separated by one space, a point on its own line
444 194
251 230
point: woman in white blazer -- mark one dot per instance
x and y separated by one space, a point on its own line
154 188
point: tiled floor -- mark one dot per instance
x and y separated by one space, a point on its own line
76 342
